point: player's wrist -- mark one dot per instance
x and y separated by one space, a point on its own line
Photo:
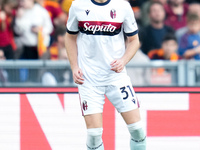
74 67
124 61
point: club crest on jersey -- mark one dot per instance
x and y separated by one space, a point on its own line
113 13
85 106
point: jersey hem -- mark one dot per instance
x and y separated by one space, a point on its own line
72 32
100 4
132 33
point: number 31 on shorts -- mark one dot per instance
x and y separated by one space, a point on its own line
127 91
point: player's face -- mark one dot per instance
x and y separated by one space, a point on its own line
157 13
194 26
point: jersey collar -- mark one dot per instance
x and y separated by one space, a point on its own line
100 4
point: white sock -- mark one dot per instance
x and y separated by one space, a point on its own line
94 139
138 137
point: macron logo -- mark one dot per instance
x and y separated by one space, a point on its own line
87 12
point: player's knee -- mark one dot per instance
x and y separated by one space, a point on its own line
94 138
137 132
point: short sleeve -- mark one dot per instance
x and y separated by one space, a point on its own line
130 25
72 22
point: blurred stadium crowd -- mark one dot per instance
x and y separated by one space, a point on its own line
35 29
29 29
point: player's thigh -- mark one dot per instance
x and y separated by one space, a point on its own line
93 120
92 101
131 116
122 95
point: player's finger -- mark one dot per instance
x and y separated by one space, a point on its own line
113 62
114 68
79 81
118 64
79 77
80 73
119 69
76 80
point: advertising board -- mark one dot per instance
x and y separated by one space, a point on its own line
51 119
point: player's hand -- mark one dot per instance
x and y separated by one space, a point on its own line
78 76
117 65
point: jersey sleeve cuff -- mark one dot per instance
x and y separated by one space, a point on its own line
71 32
132 33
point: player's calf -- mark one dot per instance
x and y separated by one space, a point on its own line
94 139
138 137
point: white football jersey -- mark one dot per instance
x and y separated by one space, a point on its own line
100 28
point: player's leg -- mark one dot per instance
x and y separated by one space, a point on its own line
138 137
94 131
93 120
123 97
92 101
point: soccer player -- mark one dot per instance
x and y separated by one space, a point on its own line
96 50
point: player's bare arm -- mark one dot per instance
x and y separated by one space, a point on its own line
132 47
71 47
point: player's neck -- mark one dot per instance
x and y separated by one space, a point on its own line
101 1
